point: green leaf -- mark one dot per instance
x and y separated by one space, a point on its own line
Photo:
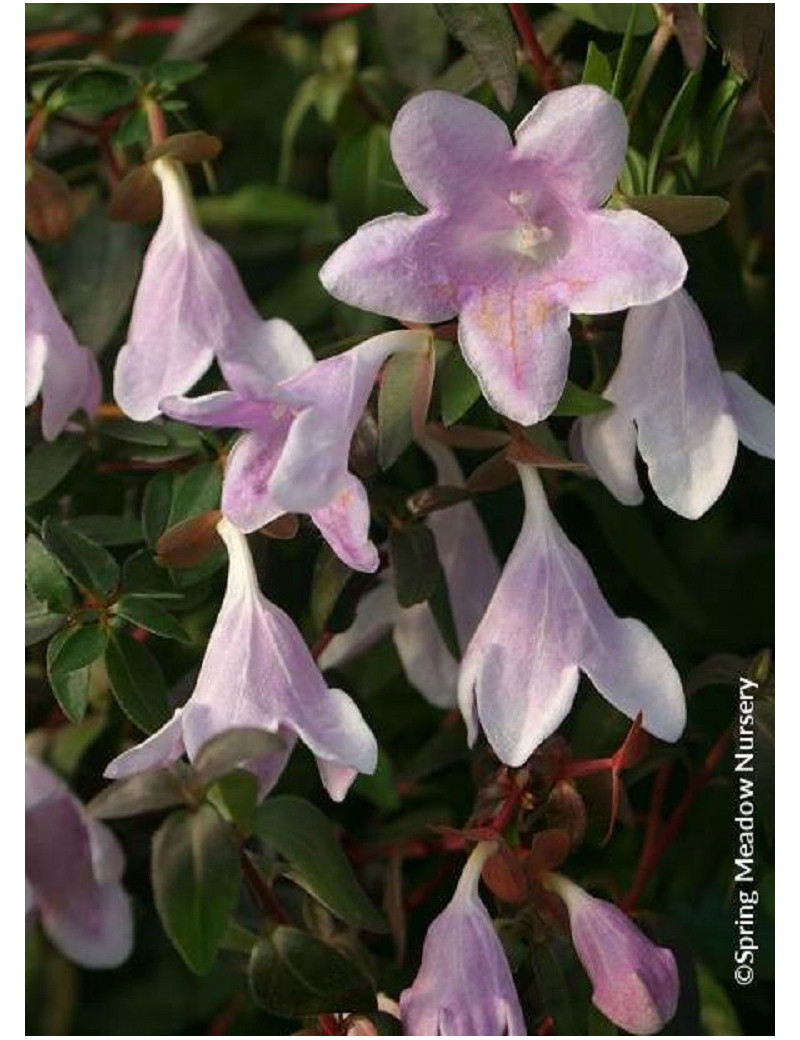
302 102
681 214
485 31
717 1013
44 577
716 119
40 622
414 40
364 180
196 881
613 18
206 26
401 376
100 269
144 793
86 562
672 127
259 205
235 796
98 92
156 506
233 748
622 71
380 788
577 401
458 387
327 583
108 530
196 491
442 611
304 837
148 614
415 563
563 985
48 463
137 682
150 434
294 974
69 654
597 68
171 72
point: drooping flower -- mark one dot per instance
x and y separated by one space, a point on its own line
464 985
293 457
635 981
190 308
56 366
547 622
514 239
471 573
73 868
257 673
672 401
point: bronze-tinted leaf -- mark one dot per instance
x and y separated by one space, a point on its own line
137 197
49 206
194 146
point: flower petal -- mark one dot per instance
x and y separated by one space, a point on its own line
616 259
578 137
247 498
35 354
393 265
161 749
754 415
273 352
375 615
517 343
428 664
608 442
447 147
219 409
344 523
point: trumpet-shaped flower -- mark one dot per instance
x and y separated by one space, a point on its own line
547 622
56 366
257 673
514 239
471 573
293 457
464 985
635 983
190 308
73 867
672 401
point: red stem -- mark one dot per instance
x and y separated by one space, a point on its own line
262 893
542 66
659 842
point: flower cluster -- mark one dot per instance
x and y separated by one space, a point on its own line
515 238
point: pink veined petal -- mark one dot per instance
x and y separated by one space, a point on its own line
35 355
161 749
616 259
754 415
394 266
108 859
273 351
376 614
344 524
336 778
99 935
517 343
247 497
578 137
331 398
608 443
428 664
189 307
447 147
219 409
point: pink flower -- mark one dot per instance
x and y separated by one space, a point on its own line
672 401
514 239
464 985
471 573
547 622
73 867
635 982
294 456
64 373
258 673
190 308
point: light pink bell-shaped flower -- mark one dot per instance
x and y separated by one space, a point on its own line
73 868
514 239
190 308
294 456
464 985
471 573
635 982
257 673
672 401
547 622
56 366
